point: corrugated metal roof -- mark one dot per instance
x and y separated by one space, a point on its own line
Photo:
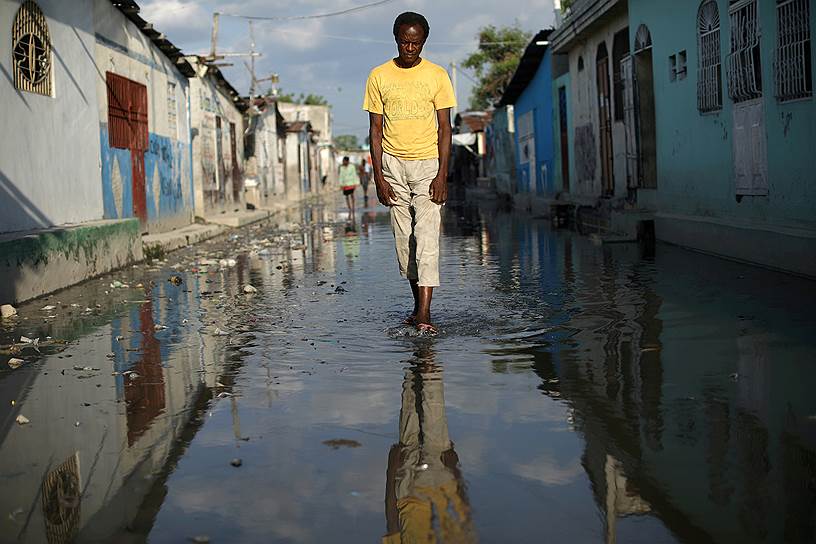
131 9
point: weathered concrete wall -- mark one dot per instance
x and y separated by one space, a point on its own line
321 119
294 166
122 49
212 156
47 260
585 114
695 150
49 160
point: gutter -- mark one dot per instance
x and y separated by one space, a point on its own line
581 21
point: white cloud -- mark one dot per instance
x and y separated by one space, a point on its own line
546 470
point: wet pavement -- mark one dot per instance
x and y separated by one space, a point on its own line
575 393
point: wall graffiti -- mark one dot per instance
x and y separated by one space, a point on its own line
585 152
166 179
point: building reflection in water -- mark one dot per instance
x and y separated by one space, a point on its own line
425 495
687 377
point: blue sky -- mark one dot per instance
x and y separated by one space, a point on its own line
312 56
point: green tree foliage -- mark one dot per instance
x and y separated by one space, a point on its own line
314 100
566 5
307 99
346 142
495 61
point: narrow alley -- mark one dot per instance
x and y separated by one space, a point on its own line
576 391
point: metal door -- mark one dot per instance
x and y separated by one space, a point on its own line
750 161
630 122
745 89
127 129
563 128
605 123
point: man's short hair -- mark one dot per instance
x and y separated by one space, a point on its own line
345 158
410 18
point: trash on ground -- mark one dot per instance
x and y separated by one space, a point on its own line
250 289
22 420
236 462
175 280
7 310
15 363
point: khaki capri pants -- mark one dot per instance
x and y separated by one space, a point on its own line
415 219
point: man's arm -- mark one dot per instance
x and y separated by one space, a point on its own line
385 193
439 185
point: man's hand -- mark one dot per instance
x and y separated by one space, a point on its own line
385 193
439 189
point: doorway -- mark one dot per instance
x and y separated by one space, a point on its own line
127 129
605 120
564 140
237 182
643 85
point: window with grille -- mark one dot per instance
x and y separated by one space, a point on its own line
172 110
31 50
744 66
793 69
620 49
709 65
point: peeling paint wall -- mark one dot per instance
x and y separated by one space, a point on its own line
122 49
212 156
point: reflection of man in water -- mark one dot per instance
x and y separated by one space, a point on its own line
425 499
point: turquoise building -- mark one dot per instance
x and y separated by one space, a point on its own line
734 125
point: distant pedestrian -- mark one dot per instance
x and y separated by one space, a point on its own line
365 178
409 101
348 181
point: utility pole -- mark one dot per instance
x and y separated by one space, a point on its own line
455 89
213 56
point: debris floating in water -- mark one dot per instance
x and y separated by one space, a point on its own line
7 310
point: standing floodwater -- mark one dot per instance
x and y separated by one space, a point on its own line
575 393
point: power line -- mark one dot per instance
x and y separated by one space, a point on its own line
314 16
374 40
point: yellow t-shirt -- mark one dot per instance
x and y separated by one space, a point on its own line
408 98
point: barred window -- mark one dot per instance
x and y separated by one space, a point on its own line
172 110
744 66
794 79
709 64
31 50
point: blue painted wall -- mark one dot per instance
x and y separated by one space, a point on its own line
695 151
538 97
167 169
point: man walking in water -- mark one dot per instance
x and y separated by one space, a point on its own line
409 101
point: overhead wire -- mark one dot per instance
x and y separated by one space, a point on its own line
313 16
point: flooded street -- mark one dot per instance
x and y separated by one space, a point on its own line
576 392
